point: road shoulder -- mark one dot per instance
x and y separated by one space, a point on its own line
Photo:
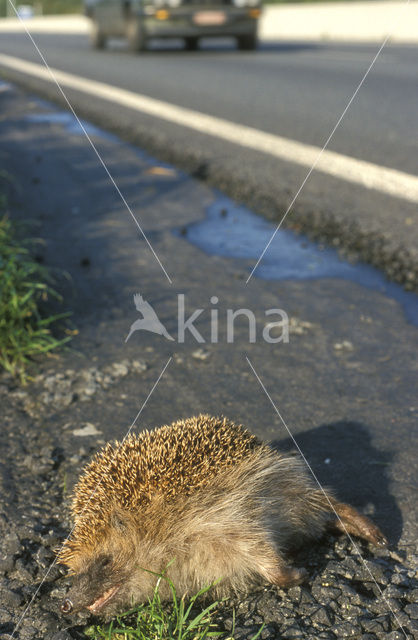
342 382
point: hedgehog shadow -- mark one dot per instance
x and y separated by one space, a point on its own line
343 459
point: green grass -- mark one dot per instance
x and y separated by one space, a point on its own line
48 6
25 288
62 6
177 620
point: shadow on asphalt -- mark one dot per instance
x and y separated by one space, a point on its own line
344 459
210 46
214 48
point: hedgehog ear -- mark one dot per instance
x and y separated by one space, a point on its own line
118 521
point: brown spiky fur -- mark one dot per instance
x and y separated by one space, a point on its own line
202 494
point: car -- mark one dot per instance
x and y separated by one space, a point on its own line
141 20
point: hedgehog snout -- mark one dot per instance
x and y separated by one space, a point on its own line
66 606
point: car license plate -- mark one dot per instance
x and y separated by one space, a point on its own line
208 18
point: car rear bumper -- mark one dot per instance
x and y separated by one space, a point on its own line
184 23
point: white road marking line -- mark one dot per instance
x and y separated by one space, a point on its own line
389 181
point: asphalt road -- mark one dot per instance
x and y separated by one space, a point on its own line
350 358
297 91
343 383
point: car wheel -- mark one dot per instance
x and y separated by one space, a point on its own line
97 37
248 42
191 43
136 36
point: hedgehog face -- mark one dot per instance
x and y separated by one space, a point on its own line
109 585
108 578
96 587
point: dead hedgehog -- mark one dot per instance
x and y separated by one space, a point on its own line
203 497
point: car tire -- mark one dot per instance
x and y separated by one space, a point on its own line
191 43
136 36
248 42
97 37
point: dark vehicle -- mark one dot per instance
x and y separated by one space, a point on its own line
140 20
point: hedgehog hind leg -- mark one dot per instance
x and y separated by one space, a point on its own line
273 568
350 521
286 576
